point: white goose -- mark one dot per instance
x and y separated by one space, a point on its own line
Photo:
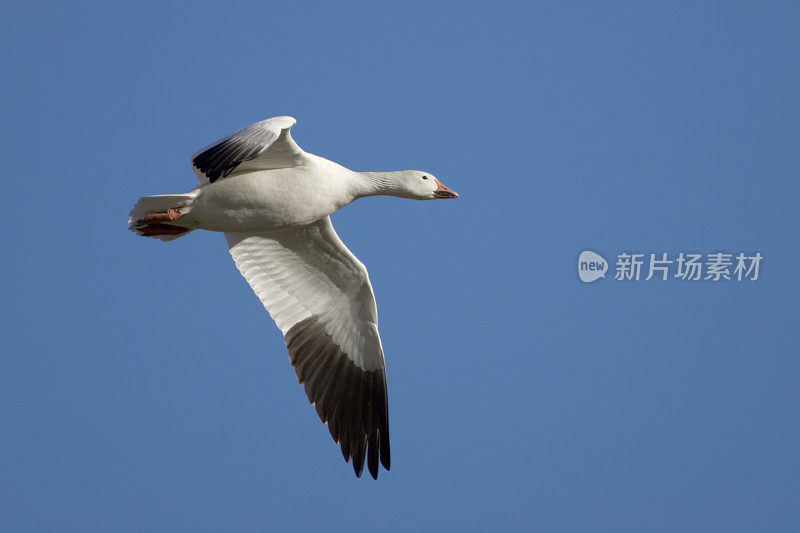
273 200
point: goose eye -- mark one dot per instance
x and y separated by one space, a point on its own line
424 177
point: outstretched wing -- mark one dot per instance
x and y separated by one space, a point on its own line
263 145
320 297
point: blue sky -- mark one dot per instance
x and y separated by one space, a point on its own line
144 387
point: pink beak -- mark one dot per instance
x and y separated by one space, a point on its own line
442 191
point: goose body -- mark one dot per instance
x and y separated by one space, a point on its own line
273 200
264 200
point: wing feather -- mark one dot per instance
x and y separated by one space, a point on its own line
319 295
263 145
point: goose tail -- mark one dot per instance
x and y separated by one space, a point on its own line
164 216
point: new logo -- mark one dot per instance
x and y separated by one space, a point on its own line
591 266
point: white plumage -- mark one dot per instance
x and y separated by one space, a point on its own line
273 200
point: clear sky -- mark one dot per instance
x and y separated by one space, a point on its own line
144 388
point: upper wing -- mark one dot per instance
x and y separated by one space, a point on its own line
319 295
263 145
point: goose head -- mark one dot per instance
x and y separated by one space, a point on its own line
420 185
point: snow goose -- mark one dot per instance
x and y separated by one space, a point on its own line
273 200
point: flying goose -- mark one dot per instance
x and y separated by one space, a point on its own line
273 201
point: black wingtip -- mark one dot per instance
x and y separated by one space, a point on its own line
352 401
373 471
386 460
358 461
386 455
372 456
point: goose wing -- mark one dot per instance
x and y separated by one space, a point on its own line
260 146
320 297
